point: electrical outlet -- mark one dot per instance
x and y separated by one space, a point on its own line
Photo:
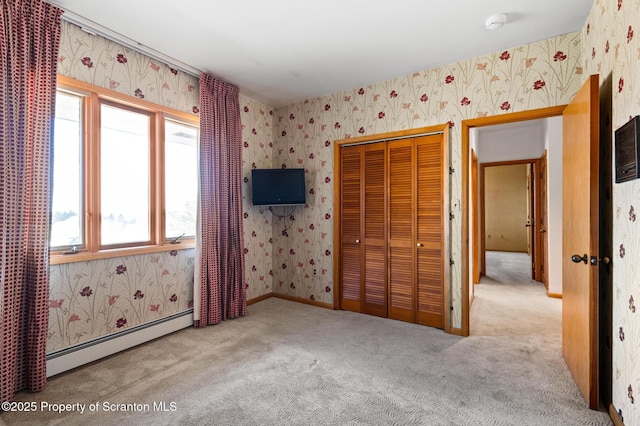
315 272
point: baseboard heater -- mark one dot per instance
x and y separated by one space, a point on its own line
86 352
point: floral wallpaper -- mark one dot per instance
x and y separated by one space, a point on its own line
101 62
91 299
611 46
96 298
257 136
536 75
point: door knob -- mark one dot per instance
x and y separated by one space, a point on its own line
419 244
357 241
542 231
577 259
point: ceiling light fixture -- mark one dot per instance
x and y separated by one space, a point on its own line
495 21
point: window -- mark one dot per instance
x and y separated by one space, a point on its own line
181 179
67 212
124 175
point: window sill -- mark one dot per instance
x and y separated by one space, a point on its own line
59 258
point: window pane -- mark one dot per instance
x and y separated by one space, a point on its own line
181 179
124 176
67 200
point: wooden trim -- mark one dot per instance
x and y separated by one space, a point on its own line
554 295
302 300
513 117
464 229
72 84
465 125
446 244
457 332
337 228
475 227
615 417
259 298
481 238
389 135
157 188
59 258
91 192
509 163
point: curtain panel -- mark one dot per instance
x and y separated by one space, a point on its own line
219 287
29 48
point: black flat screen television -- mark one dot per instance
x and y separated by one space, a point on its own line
278 187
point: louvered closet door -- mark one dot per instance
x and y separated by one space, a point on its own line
350 256
430 220
401 254
374 230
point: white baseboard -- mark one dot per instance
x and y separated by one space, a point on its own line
75 356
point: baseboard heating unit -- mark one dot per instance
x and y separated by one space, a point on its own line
86 352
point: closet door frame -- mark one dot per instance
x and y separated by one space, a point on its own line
338 144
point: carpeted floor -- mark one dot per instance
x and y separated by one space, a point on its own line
287 363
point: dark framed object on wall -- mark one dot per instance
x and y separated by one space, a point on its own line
627 150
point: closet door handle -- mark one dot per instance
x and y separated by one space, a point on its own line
357 241
419 244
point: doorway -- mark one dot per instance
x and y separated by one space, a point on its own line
512 216
604 336
468 132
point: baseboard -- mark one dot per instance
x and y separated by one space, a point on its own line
259 298
301 300
615 417
554 295
84 353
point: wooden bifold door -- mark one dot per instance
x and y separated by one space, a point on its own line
392 229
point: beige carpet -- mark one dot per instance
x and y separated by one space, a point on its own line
291 364
508 302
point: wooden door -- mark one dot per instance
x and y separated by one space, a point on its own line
374 243
543 258
530 224
430 233
536 235
350 224
580 218
402 276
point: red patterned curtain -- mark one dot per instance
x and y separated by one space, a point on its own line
220 291
29 50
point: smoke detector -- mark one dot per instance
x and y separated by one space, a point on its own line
495 21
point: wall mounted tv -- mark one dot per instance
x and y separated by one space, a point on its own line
278 187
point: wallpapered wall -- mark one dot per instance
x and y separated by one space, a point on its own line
536 75
611 46
92 299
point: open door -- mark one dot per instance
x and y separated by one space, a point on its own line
580 216
543 222
475 227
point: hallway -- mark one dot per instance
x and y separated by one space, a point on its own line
508 302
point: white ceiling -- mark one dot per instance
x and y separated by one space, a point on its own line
284 51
